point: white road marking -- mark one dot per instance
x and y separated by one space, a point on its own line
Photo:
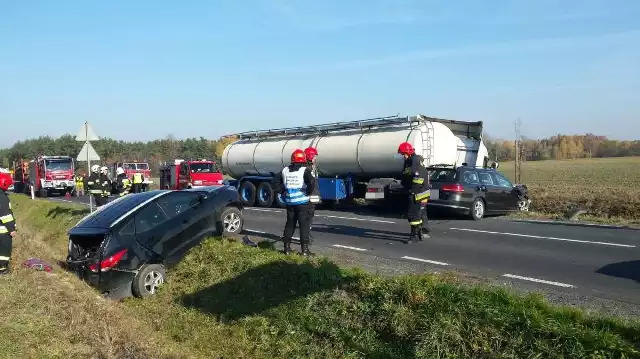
558 284
425 261
324 215
349 247
543 237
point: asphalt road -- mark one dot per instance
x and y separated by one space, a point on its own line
602 262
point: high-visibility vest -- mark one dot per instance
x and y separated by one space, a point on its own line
137 178
295 189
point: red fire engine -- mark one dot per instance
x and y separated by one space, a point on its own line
20 176
49 174
134 167
183 174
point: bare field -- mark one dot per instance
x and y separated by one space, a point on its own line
605 187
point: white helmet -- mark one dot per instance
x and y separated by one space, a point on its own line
119 170
104 169
95 168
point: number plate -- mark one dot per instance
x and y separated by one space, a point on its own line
435 194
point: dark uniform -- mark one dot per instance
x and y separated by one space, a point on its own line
138 178
124 184
99 187
7 230
314 198
415 180
295 183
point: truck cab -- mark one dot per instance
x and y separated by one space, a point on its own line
183 174
52 174
130 168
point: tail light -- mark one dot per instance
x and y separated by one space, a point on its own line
374 190
452 188
108 263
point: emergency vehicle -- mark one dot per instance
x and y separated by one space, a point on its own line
20 176
130 168
183 174
49 175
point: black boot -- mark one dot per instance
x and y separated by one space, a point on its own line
287 248
424 233
306 251
412 236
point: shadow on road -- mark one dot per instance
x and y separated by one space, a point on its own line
624 270
263 288
60 210
361 232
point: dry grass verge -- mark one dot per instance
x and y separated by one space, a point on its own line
226 300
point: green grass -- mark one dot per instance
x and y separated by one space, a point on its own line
607 188
228 300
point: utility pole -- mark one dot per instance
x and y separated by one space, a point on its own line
518 154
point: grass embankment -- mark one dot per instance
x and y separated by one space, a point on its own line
607 188
229 300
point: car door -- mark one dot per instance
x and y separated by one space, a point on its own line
508 196
182 209
493 193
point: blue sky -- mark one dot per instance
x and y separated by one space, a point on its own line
148 69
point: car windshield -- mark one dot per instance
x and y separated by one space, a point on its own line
442 174
58 165
203 167
142 166
129 166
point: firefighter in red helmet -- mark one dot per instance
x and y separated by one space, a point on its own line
312 154
296 184
7 222
415 179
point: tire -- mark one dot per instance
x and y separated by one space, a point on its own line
148 280
264 197
43 193
277 201
247 192
478 209
230 222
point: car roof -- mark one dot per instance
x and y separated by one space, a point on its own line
114 211
207 189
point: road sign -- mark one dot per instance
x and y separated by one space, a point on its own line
86 134
87 153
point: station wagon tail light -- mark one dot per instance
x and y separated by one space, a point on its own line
108 263
452 188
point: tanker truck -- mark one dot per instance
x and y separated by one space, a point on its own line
356 159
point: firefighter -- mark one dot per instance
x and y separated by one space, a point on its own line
7 223
311 154
296 183
138 178
95 187
79 179
415 180
124 184
106 183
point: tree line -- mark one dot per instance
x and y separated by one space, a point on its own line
157 152
563 147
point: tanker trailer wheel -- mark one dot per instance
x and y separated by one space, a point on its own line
264 195
277 201
247 193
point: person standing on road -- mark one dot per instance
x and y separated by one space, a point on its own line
124 184
415 180
138 178
79 179
311 154
106 183
95 186
296 183
7 223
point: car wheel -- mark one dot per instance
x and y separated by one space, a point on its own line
231 221
148 280
477 209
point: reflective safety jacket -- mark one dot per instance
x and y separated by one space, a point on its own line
415 178
124 184
94 185
105 184
7 221
138 178
295 183
79 182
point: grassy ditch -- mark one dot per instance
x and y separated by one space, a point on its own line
229 300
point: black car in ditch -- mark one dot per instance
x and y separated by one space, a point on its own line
475 191
125 247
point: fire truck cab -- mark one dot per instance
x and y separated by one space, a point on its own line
183 174
129 169
51 174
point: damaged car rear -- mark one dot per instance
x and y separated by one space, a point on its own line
125 247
